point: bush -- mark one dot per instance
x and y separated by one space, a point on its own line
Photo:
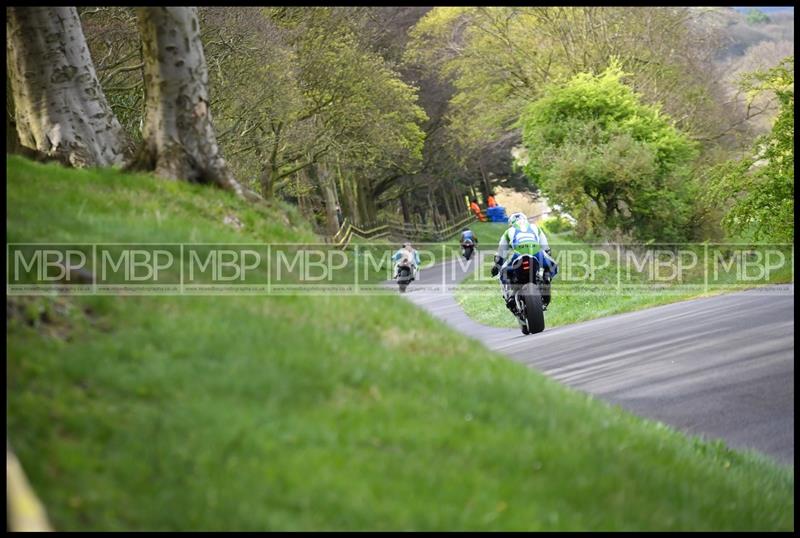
614 163
556 225
756 16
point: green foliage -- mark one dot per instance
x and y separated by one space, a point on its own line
485 102
759 187
311 413
289 88
756 16
500 58
609 160
306 91
556 225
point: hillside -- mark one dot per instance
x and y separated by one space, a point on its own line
739 34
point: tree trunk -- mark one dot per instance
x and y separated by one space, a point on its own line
458 204
366 207
12 140
302 179
60 109
269 173
351 195
179 138
322 178
487 188
404 207
447 205
343 188
432 208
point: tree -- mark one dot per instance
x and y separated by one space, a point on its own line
610 160
252 86
179 141
113 39
759 111
296 89
60 108
759 187
343 118
500 58
756 16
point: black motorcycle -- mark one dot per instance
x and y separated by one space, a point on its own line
405 274
467 248
528 284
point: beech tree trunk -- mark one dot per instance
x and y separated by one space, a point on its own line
179 138
60 109
447 206
352 198
346 198
12 139
325 182
458 204
267 180
367 203
404 208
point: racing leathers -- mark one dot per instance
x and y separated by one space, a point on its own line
409 255
524 238
468 235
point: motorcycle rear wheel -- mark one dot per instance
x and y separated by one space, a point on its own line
403 279
534 314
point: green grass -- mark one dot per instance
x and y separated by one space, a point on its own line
316 413
578 299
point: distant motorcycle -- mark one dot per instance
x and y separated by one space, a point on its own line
527 283
405 274
467 248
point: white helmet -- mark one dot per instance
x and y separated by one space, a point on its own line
518 220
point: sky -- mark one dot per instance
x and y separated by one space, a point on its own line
767 9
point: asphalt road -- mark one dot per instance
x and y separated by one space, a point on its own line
720 367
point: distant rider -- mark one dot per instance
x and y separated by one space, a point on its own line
468 235
522 237
407 252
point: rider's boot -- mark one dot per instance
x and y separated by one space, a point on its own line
546 290
511 304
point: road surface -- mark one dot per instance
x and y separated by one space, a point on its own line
720 367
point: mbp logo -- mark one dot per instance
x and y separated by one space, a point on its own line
37 264
222 265
132 265
136 266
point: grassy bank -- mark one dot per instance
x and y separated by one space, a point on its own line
315 413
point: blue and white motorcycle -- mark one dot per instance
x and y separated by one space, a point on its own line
527 289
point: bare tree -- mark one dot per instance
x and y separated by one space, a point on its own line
60 109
